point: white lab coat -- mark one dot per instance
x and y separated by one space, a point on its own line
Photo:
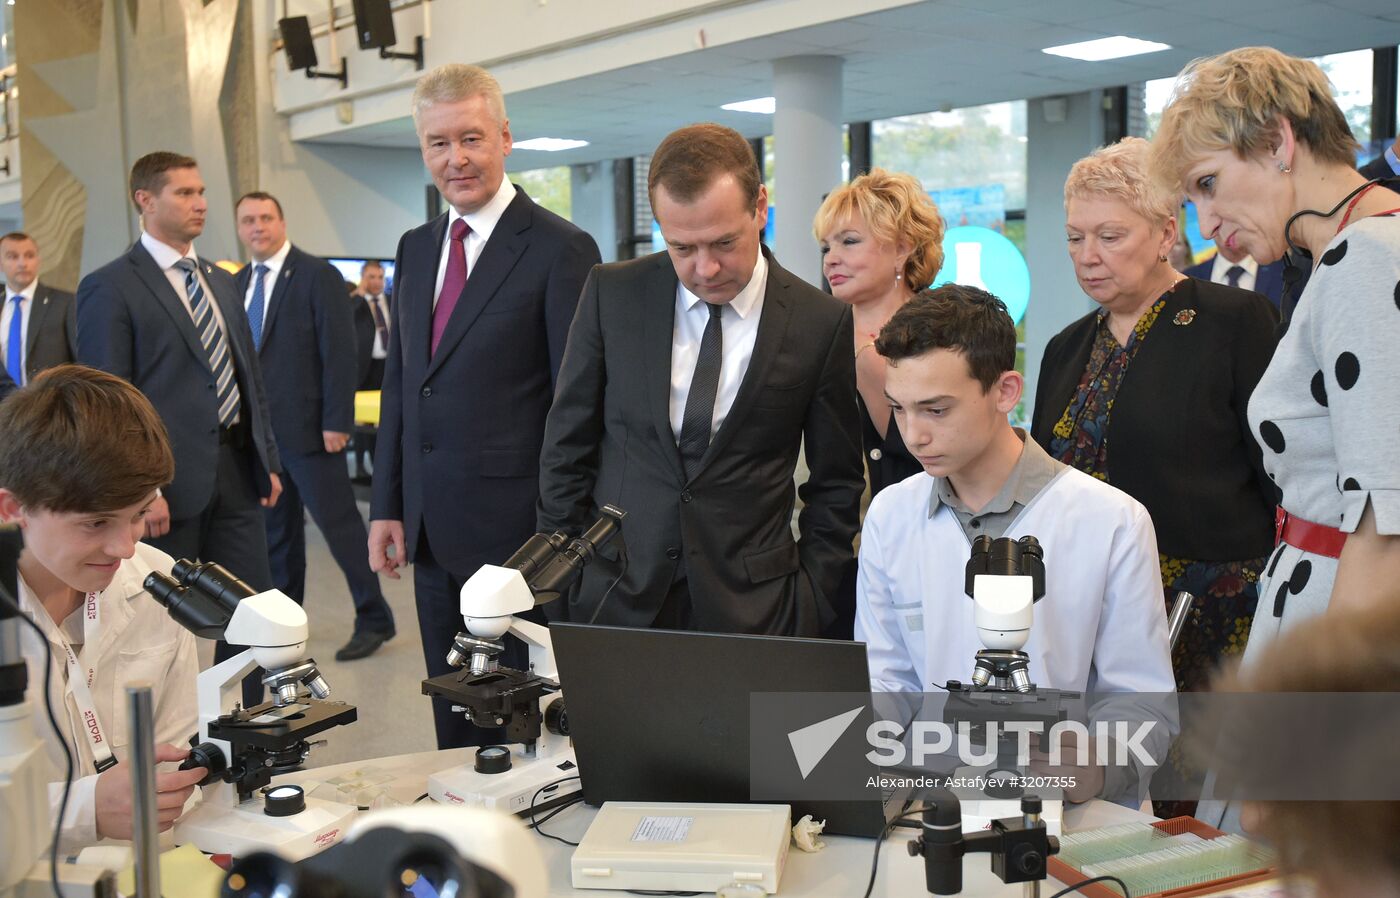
137 641
1101 626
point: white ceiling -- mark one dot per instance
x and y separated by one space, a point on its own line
915 58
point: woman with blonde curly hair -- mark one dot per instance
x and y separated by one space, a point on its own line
1149 391
1255 139
881 240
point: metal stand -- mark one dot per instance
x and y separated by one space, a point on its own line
141 722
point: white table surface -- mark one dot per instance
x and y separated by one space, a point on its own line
841 870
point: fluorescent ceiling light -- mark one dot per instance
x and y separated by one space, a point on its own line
1106 48
761 105
549 144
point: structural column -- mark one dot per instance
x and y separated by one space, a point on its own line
1059 132
807 154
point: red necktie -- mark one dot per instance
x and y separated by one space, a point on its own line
452 282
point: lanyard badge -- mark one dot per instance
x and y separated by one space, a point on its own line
80 679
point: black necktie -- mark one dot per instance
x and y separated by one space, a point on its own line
700 402
1234 274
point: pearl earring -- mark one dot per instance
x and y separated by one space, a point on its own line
898 276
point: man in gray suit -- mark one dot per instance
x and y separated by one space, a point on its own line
690 380
36 328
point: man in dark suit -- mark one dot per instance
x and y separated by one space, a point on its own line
37 330
483 297
691 380
1235 268
374 309
173 325
301 327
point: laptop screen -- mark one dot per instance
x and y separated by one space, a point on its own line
661 715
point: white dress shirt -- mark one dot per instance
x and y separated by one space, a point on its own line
166 256
137 641
739 326
1218 272
380 351
481 223
274 265
26 308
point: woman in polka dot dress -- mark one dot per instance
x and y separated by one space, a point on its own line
1256 141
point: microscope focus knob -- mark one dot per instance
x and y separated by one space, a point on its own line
210 757
1028 861
556 718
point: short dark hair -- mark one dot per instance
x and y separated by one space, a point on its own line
149 171
259 195
963 319
81 440
691 158
371 263
18 235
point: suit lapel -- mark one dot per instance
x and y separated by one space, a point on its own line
772 328
38 309
658 333
279 292
503 249
415 312
154 278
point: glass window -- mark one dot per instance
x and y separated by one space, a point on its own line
1352 80
549 187
970 147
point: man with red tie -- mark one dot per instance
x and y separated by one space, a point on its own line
483 298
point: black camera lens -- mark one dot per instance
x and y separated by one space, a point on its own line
262 875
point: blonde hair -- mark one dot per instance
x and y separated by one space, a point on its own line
1234 102
1119 171
457 81
895 207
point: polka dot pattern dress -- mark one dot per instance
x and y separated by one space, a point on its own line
1327 413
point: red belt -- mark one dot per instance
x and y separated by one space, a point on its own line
1319 539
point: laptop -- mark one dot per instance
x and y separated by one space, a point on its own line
662 715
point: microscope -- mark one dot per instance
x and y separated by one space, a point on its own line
1020 846
527 703
244 748
1004 578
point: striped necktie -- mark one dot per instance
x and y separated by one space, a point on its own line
215 344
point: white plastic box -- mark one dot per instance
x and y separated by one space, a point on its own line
683 847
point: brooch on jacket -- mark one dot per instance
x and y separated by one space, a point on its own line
1184 317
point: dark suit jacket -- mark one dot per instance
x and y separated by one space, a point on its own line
460 432
363 320
1379 167
132 323
1268 281
52 337
1179 437
7 384
609 441
307 357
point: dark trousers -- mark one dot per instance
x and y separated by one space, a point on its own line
437 592
320 483
230 532
676 612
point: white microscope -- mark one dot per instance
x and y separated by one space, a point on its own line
527 703
243 748
1004 579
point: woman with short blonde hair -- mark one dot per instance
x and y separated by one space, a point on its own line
1148 393
881 239
1255 139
